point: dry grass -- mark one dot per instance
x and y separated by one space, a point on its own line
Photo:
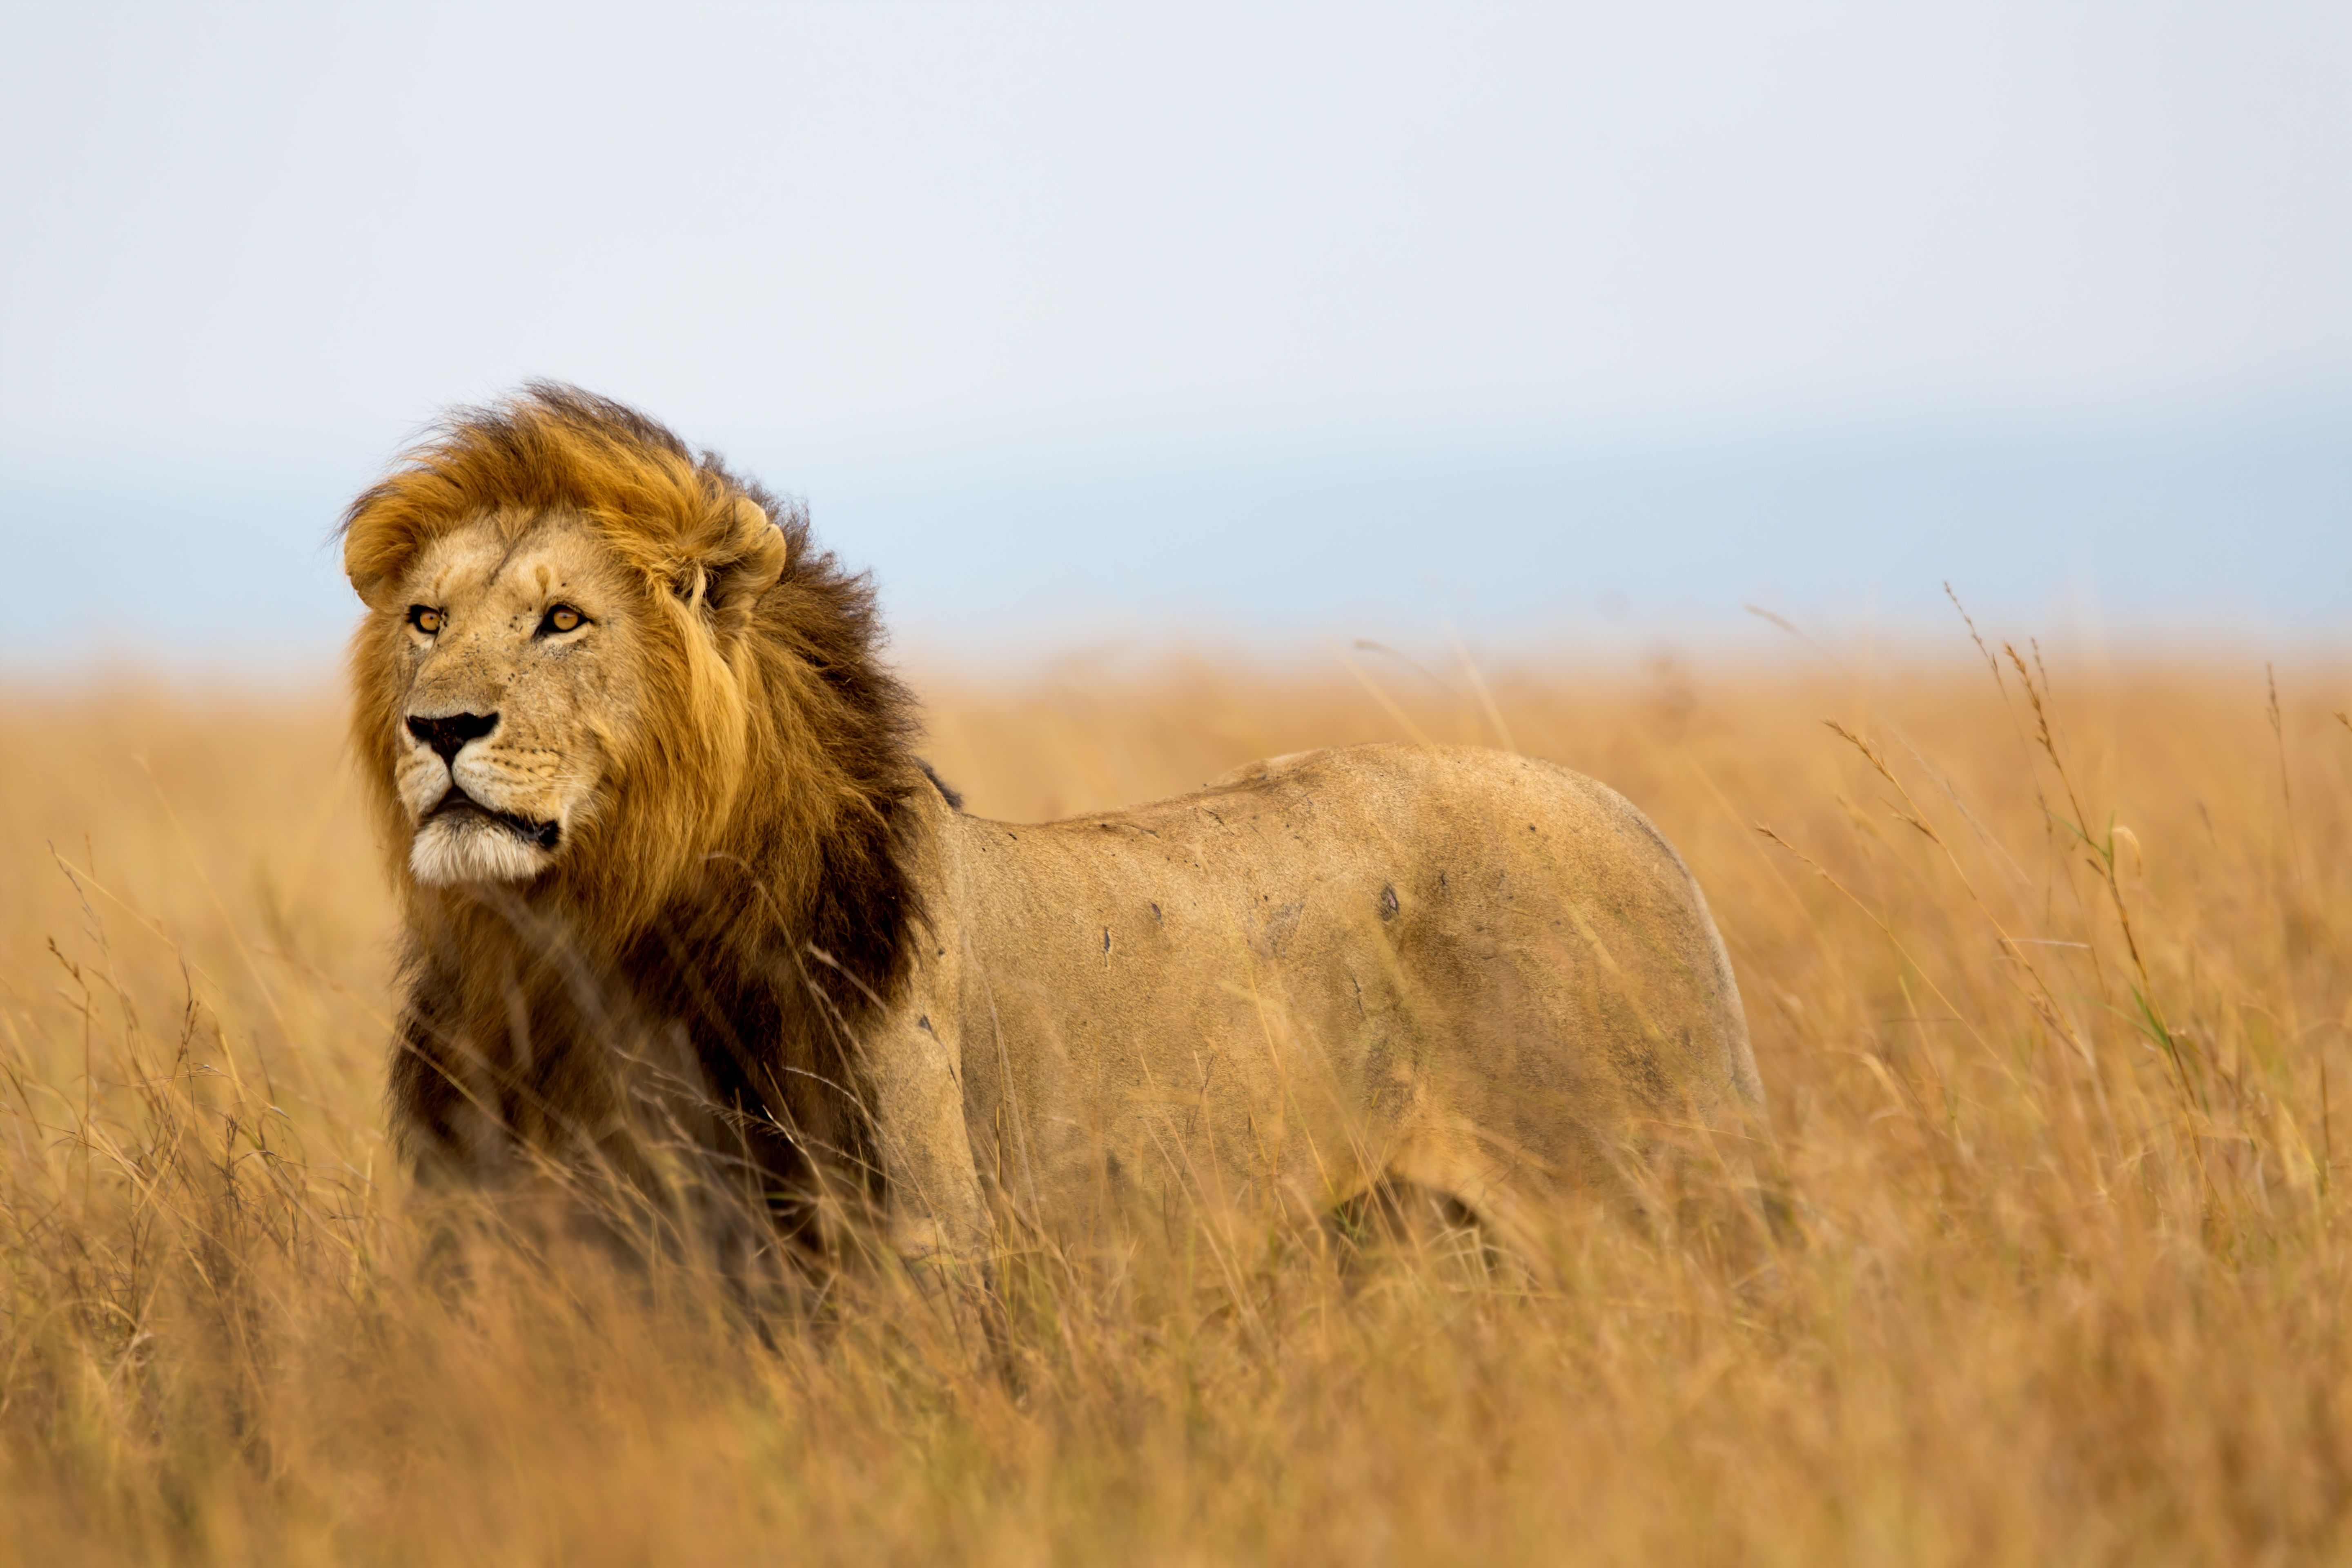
2048 1050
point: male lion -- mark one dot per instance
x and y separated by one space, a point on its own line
660 840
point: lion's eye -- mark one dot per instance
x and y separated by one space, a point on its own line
425 618
561 618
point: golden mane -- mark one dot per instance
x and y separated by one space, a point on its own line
757 825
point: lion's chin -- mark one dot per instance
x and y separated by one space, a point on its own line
457 848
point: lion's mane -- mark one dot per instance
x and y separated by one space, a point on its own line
748 871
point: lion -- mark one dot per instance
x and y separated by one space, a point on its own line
660 837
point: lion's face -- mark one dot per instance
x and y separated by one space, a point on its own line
521 669
559 674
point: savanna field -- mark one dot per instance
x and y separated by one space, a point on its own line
2049 968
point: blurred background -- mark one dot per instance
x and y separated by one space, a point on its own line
1573 330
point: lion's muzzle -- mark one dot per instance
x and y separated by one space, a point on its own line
479 818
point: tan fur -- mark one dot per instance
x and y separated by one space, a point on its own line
1471 971
1475 972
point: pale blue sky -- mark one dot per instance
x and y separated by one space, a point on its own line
1577 325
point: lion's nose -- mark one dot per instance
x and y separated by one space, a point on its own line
448 734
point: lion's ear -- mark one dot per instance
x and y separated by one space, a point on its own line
733 577
376 547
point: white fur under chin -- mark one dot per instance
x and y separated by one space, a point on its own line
450 850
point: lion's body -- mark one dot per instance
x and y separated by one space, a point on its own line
673 875
1475 971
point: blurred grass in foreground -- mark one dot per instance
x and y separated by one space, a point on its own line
2049 977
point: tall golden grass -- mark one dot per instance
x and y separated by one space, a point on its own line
2048 971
